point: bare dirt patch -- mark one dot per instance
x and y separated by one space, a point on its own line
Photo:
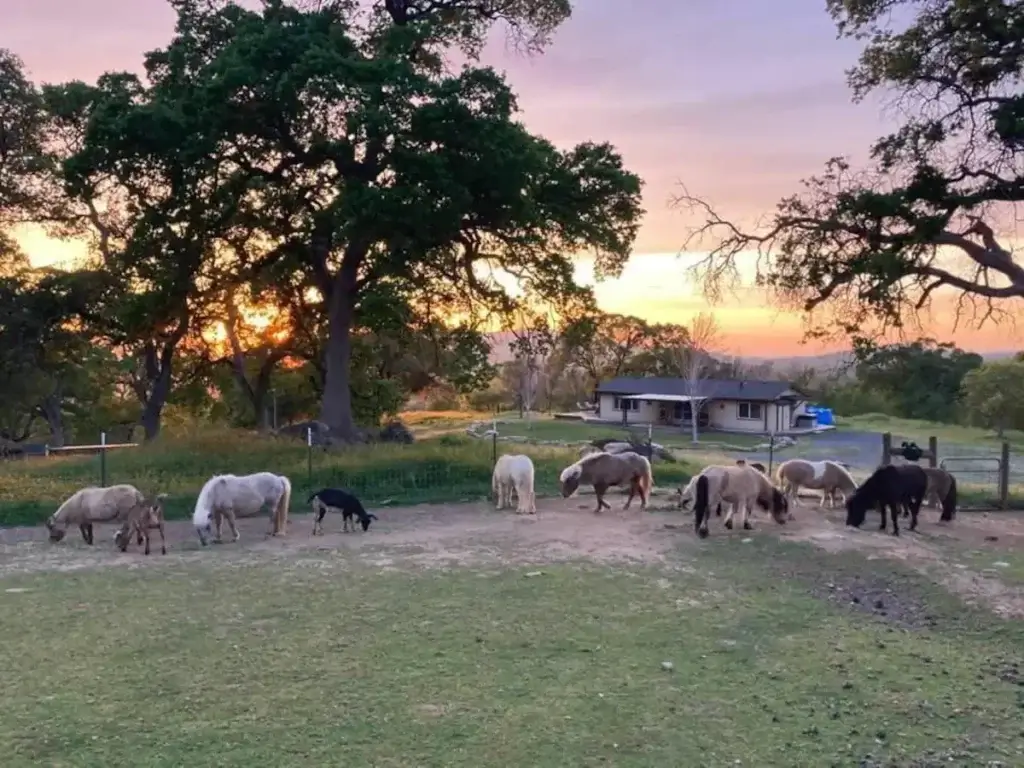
427 536
933 549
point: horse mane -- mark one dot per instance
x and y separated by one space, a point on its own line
842 471
575 470
203 505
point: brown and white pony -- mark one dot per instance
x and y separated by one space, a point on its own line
826 476
604 470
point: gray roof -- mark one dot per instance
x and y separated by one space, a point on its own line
717 389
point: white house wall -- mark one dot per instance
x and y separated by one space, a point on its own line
722 414
646 412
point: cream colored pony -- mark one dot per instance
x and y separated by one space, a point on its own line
741 487
93 505
232 496
514 472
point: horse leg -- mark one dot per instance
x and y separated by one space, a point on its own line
230 515
218 518
163 541
746 516
895 513
915 508
633 489
728 516
881 511
88 527
599 490
146 537
85 533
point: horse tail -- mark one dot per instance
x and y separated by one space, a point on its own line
949 503
700 505
646 481
283 503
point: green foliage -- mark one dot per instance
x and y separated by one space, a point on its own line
994 395
285 152
922 379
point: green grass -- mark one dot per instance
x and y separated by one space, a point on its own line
547 428
270 665
442 469
920 431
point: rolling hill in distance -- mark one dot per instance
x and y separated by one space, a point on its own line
501 352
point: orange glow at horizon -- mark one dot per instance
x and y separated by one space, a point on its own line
653 286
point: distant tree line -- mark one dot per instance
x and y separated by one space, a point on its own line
924 380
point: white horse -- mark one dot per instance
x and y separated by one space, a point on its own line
514 472
232 496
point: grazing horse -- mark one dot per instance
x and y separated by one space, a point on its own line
604 470
740 486
93 505
942 488
686 494
233 496
894 486
825 476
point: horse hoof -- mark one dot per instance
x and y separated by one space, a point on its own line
702 533
728 524
748 527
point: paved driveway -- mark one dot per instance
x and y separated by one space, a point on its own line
861 450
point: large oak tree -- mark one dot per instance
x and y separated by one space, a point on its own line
932 212
371 167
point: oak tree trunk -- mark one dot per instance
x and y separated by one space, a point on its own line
51 408
336 405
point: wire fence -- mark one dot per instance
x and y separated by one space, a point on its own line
452 467
449 468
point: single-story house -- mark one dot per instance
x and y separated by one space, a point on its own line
734 405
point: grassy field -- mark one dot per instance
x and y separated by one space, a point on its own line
546 428
919 431
276 664
450 467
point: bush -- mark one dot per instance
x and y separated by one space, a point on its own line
450 469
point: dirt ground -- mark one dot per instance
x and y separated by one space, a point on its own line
432 536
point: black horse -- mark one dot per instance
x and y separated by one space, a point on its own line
889 486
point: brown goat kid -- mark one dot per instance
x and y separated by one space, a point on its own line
143 518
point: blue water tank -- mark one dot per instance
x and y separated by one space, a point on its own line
825 417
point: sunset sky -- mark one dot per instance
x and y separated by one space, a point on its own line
739 111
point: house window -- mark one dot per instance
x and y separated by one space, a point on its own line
629 405
750 411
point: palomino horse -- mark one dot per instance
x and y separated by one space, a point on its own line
742 487
93 505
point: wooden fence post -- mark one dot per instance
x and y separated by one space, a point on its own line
1004 477
886 448
933 449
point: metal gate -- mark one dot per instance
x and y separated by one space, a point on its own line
997 499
